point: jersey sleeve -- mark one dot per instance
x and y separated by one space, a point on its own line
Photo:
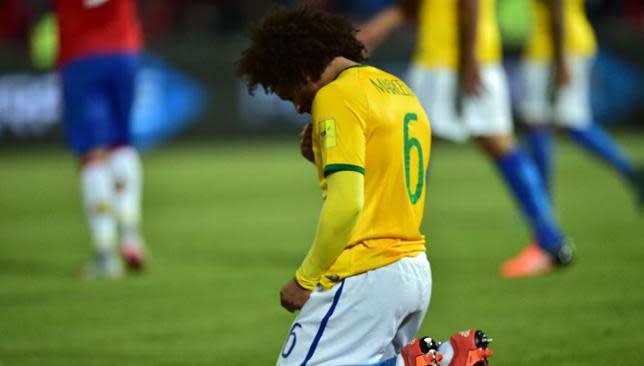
340 131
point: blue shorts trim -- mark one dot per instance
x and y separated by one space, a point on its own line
98 94
323 324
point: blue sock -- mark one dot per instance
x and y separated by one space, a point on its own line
522 177
598 142
540 145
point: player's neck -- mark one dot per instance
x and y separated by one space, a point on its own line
335 67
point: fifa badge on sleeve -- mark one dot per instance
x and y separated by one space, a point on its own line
327 133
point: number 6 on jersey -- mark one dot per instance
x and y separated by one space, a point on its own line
409 144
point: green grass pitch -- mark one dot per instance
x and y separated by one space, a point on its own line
228 223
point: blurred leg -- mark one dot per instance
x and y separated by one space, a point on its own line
522 177
596 141
539 141
487 116
96 188
126 169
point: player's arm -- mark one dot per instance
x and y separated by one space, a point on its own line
557 34
469 69
375 31
338 217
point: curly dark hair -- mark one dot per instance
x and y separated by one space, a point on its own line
289 45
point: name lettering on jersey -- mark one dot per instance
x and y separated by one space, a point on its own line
327 133
391 86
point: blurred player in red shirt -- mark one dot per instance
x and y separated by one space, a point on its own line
100 41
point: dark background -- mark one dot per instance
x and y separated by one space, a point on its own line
203 39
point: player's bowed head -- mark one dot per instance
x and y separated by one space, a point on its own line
291 48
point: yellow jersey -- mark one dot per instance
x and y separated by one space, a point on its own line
370 122
437 42
579 39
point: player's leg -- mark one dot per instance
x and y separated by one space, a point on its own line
96 186
526 186
126 169
536 113
488 118
86 114
356 321
574 113
521 176
541 149
407 350
403 348
596 141
125 161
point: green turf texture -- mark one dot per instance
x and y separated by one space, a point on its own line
228 223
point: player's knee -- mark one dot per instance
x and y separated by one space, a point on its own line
93 156
496 146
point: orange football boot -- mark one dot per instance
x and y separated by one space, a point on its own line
470 348
533 260
421 352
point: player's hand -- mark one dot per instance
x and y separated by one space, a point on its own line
470 77
561 74
560 78
293 296
306 142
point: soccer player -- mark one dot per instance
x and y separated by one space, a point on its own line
562 43
457 75
364 287
99 45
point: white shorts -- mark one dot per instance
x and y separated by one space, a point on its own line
488 114
363 320
572 103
